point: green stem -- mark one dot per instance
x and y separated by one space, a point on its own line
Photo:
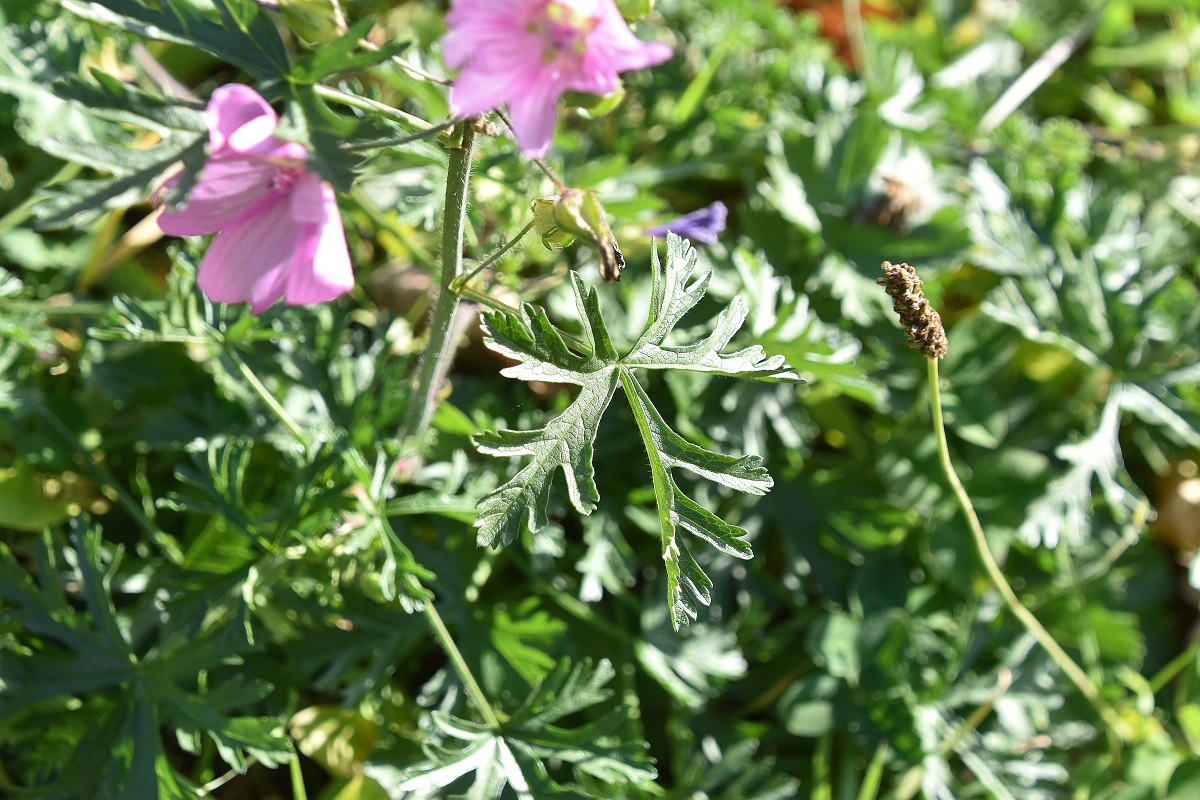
549 173
362 473
869 789
428 133
439 353
298 792
411 68
371 106
460 666
1178 664
493 258
265 395
1028 621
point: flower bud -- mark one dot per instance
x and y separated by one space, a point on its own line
544 224
633 10
313 21
594 106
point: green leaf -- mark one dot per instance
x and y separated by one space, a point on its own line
1185 782
339 57
247 39
740 772
1004 241
541 352
691 666
516 754
23 504
524 638
261 738
566 442
88 123
320 129
111 99
77 204
1064 511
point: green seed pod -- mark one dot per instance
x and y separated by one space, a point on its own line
558 219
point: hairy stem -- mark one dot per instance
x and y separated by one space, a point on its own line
439 353
1028 621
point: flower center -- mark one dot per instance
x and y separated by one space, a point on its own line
564 29
284 178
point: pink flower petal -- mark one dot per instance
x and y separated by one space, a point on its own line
496 21
526 53
613 46
478 90
224 191
533 116
321 269
307 202
248 261
236 107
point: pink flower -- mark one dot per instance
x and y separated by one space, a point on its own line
528 52
279 233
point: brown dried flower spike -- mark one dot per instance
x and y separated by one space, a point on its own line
920 321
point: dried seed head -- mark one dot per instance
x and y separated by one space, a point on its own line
485 127
921 323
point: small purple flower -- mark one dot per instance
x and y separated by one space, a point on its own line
701 225
279 232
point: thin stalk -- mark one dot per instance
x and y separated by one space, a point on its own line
276 407
298 792
439 353
428 133
411 68
1038 73
1028 621
217 783
562 187
1088 645
460 666
43 308
1177 665
855 35
362 473
869 789
371 106
821 769
494 257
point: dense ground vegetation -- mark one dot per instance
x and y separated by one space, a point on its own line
224 572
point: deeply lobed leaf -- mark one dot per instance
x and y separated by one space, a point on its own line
542 352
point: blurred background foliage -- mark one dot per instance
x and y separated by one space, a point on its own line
190 595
